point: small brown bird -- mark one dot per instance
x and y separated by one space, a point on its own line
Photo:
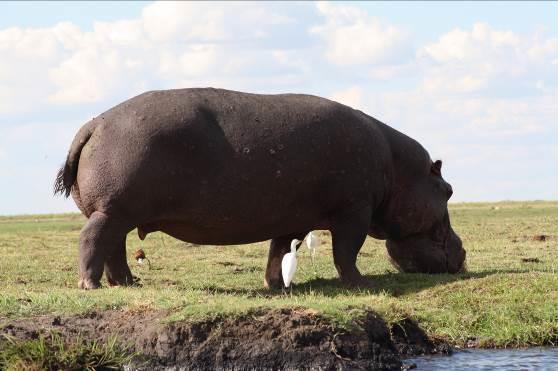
140 257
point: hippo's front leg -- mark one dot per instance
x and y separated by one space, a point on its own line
348 232
277 249
101 239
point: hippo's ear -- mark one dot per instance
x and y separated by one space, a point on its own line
437 167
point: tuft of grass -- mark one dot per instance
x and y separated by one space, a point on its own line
54 353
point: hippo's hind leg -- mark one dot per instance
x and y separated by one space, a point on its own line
117 270
101 240
348 232
277 249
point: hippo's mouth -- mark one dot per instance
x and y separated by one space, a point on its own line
425 254
444 245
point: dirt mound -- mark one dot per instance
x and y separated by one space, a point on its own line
410 340
273 339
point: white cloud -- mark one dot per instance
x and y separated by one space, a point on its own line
290 58
353 37
196 60
184 21
388 72
171 43
435 82
27 54
459 45
351 97
203 22
465 61
87 76
487 83
120 33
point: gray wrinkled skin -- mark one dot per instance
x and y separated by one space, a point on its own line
212 166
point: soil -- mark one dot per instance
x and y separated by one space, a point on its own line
286 339
540 237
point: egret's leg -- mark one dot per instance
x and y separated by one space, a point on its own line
277 249
314 261
348 233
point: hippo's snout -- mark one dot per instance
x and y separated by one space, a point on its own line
420 254
456 254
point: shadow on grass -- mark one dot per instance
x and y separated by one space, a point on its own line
393 284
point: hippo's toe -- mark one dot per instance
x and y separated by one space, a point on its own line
273 283
357 281
88 284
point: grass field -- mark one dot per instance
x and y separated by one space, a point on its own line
508 297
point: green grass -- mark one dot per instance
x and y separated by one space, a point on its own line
54 353
501 300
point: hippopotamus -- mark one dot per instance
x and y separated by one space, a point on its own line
219 167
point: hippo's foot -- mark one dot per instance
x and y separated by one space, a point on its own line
122 280
273 284
357 281
117 271
88 284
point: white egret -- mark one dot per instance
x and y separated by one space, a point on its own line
312 242
288 264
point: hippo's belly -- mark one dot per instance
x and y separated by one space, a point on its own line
232 233
247 210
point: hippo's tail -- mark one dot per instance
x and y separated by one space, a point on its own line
66 178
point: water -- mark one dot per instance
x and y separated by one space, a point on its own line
490 359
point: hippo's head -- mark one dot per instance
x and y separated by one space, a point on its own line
418 230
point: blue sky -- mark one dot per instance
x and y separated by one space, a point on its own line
429 18
82 13
475 82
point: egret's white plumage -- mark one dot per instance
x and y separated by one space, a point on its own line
312 242
288 264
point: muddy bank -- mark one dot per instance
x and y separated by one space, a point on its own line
272 339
